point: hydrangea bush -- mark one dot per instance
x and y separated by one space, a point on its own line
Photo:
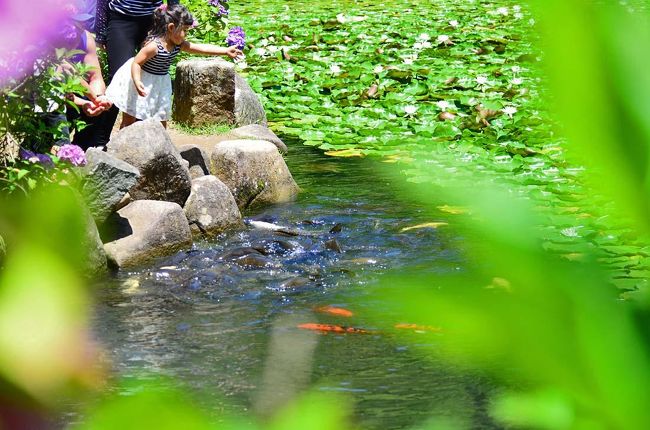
32 83
211 17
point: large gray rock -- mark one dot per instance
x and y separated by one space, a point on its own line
248 109
106 182
147 146
253 132
95 260
147 229
204 92
211 207
209 91
254 171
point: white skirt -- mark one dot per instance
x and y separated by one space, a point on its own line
156 104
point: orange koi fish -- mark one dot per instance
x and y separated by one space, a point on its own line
417 327
326 328
334 311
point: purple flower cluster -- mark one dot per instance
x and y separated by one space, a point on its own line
220 5
236 37
35 157
73 154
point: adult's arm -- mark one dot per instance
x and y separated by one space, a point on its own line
97 86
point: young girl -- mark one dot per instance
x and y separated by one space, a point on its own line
142 88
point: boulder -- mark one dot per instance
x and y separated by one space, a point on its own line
204 92
209 91
197 158
146 229
248 109
211 207
95 261
254 171
147 146
107 180
253 132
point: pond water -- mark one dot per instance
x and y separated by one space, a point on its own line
221 319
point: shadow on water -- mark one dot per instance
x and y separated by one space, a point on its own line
222 318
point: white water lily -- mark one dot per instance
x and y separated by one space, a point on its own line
503 11
570 231
261 52
335 69
531 21
424 36
410 109
316 57
273 48
482 80
443 105
510 111
378 69
443 38
518 15
515 69
453 23
409 59
517 81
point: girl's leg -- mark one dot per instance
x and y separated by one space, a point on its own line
127 120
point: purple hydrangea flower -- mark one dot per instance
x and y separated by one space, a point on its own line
236 37
222 10
213 2
73 154
34 157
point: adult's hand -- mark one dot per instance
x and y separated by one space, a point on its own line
91 109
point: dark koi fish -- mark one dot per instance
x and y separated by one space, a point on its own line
331 328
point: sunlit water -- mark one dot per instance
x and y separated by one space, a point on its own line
221 319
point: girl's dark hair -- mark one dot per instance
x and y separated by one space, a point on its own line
165 15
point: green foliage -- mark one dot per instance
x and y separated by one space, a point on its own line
210 23
22 106
23 102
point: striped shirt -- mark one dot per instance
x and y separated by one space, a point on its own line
159 63
136 7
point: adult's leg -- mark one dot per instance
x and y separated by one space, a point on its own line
88 136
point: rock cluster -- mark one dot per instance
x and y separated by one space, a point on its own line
149 198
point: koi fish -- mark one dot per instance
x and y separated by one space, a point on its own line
334 311
417 327
325 328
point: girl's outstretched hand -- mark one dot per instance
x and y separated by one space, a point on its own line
233 52
139 87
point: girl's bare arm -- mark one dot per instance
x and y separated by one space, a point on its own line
147 52
206 49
